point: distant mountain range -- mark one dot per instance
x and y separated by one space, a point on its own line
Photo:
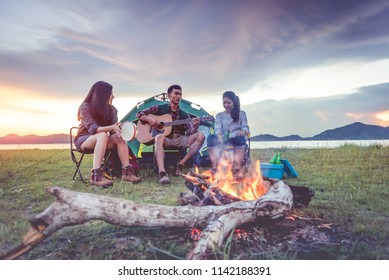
35 139
355 131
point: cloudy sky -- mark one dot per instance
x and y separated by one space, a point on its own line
299 66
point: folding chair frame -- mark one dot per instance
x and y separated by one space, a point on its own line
247 158
78 160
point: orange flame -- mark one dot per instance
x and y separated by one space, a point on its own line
289 217
195 234
250 187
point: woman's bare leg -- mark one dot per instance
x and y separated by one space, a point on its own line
238 159
121 147
98 142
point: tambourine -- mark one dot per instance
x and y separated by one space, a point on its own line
129 131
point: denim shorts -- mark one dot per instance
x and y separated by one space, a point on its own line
79 140
237 141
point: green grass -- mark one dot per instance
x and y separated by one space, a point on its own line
351 185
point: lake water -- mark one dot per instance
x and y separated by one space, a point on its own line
33 146
254 144
315 144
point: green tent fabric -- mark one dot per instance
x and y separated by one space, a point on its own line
191 108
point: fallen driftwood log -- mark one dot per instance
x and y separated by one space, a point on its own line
72 208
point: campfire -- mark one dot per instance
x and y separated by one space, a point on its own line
224 187
251 190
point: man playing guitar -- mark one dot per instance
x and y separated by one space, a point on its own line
181 136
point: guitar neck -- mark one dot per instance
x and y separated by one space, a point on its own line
178 122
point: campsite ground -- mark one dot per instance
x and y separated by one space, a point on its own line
347 218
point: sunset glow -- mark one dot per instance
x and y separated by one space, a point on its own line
43 115
296 71
26 112
383 116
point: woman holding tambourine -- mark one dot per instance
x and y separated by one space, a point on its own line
99 131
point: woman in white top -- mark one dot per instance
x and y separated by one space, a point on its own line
231 129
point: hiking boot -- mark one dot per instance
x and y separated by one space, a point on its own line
97 179
128 175
179 169
164 178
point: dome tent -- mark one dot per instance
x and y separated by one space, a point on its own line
145 153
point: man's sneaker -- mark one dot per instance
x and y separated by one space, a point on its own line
128 175
179 169
97 179
164 178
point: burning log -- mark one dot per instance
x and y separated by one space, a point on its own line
196 179
223 188
72 208
198 175
218 197
203 192
204 196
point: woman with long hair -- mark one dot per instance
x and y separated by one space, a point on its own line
231 129
100 130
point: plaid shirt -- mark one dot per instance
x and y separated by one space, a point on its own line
158 110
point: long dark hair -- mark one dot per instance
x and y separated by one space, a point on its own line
235 100
98 98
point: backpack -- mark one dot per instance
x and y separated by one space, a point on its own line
113 168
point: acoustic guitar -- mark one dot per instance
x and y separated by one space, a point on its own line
147 133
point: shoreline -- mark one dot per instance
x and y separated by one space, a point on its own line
304 144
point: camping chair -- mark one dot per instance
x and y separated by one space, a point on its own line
78 159
247 159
